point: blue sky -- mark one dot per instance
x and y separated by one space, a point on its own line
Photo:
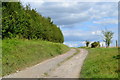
80 21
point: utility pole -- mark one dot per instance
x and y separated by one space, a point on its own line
116 43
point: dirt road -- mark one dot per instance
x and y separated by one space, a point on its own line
67 65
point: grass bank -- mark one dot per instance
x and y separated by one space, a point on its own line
0 57
101 63
18 54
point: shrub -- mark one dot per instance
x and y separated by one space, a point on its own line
95 44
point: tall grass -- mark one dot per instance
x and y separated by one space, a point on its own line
101 63
18 54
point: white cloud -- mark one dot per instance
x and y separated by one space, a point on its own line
72 33
106 21
70 44
96 32
73 12
79 35
33 3
73 0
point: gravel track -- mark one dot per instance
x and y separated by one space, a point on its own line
69 68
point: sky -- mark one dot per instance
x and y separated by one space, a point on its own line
80 21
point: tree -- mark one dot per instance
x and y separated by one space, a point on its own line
108 35
87 43
116 43
26 23
95 44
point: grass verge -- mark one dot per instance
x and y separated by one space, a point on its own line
101 63
0 57
19 54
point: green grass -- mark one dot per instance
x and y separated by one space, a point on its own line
0 57
101 63
19 54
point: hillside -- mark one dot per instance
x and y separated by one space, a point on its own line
27 37
18 54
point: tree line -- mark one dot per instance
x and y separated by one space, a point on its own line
24 22
107 38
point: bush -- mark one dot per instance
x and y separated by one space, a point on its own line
24 22
95 44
